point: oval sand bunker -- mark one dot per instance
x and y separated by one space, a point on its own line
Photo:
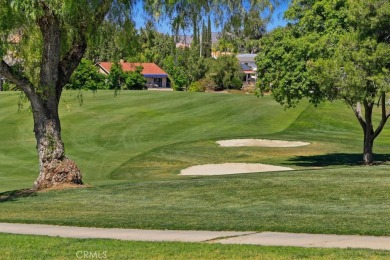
260 142
231 168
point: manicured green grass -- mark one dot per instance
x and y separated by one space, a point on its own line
108 131
40 247
132 147
335 201
125 137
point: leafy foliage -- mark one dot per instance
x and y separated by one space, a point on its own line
326 55
134 80
196 87
113 42
226 72
333 49
87 77
243 34
116 78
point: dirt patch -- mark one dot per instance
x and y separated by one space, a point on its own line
260 142
231 168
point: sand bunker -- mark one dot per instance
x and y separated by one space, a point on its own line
231 168
260 142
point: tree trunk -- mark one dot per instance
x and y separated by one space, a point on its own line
55 168
368 157
369 135
367 125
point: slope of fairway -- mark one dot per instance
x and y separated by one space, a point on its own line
147 135
333 132
108 131
141 135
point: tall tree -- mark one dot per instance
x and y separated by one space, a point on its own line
113 41
209 38
245 29
62 28
206 39
333 49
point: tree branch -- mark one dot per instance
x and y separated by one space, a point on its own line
385 115
21 83
70 62
72 59
358 113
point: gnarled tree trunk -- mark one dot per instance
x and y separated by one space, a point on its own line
55 168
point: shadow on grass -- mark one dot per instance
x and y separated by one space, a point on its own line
15 194
334 159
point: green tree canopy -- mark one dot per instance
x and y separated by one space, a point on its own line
332 49
113 41
226 72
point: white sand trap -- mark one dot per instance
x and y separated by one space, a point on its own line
231 168
260 142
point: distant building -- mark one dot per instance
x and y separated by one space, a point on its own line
155 76
248 66
248 59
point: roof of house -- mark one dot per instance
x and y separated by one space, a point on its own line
149 69
246 57
246 68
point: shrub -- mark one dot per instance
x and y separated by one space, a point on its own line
134 80
196 87
225 71
236 83
208 84
86 76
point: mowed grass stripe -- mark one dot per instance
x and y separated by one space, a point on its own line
107 131
33 247
350 200
132 147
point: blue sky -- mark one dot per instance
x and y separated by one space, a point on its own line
277 19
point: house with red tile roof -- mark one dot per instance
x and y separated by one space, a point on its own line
155 76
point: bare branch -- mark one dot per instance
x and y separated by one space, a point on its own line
21 83
385 115
358 113
70 62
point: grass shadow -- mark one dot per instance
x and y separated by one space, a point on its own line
335 159
15 194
